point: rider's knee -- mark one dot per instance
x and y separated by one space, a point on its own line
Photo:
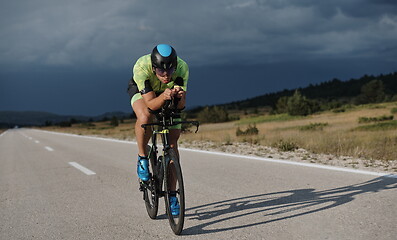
144 117
174 145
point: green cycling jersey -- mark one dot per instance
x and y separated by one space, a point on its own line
146 79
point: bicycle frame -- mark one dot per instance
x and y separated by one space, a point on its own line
158 185
164 122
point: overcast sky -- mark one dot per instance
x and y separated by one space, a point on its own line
75 57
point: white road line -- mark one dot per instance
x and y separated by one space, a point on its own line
4 133
311 165
37 141
49 149
81 168
86 137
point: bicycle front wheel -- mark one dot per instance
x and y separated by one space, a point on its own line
150 193
173 183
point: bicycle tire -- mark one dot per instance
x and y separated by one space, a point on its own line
176 222
151 196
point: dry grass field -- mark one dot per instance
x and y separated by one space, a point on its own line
336 133
340 134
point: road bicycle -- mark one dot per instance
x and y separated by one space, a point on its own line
159 184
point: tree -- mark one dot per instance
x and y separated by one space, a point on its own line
73 121
213 115
372 92
299 105
282 105
65 124
114 122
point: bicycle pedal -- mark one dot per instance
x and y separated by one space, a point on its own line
141 187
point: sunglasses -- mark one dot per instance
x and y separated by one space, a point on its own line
161 72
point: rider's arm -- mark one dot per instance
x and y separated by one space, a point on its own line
182 102
181 84
181 95
154 102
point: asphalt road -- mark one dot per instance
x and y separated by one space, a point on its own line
55 186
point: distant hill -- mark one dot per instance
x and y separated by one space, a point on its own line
33 118
333 90
109 115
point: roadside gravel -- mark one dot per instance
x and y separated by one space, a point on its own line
299 155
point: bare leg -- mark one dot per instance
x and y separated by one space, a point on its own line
143 117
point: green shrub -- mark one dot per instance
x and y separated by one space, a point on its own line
375 119
251 130
380 126
286 145
339 110
213 115
328 105
269 118
313 126
393 111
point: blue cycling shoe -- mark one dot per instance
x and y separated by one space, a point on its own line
174 205
143 168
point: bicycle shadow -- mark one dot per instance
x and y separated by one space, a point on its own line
277 206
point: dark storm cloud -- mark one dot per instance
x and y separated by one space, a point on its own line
78 54
110 32
64 32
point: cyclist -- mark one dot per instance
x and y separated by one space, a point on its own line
157 77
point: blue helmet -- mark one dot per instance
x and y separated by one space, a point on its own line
164 57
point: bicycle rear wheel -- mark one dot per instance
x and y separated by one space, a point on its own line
176 222
150 192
